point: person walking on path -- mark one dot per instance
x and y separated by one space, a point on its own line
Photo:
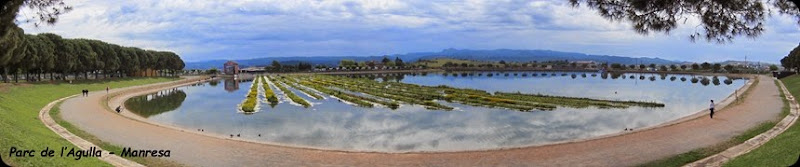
711 108
106 89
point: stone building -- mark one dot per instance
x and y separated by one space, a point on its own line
230 68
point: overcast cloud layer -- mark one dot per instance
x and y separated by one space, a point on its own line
238 29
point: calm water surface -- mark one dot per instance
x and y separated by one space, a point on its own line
330 124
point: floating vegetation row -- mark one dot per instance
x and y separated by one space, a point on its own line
250 101
575 102
379 90
302 89
338 94
359 100
269 93
424 95
290 94
415 94
428 95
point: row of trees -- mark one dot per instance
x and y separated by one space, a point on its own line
35 56
278 67
704 66
792 61
384 62
503 64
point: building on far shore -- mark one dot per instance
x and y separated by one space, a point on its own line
586 64
253 69
230 68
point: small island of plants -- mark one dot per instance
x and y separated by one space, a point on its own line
269 93
250 101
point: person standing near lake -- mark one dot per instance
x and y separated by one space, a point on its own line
711 108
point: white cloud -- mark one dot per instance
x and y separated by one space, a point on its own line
200 30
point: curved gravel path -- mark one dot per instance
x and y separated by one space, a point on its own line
188 147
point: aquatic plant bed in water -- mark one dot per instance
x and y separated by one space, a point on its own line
269 94
428 95
250 101
289 93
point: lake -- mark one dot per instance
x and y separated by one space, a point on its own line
330 124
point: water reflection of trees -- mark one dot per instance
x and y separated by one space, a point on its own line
704 80
156 103
213 83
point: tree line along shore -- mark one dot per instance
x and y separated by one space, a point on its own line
50 56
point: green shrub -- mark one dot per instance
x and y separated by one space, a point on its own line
250 100
269 94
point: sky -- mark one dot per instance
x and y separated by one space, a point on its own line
241 29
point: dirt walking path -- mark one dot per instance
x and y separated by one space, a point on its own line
762 104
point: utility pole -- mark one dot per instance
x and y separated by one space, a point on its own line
745 62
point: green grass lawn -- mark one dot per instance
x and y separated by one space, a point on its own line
20 126
782 150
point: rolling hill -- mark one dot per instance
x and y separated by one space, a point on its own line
509 55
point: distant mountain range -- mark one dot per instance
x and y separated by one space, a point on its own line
509 55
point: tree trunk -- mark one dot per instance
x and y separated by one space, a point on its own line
4 75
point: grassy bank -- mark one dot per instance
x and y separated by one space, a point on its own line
20 126
700 153
784 149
